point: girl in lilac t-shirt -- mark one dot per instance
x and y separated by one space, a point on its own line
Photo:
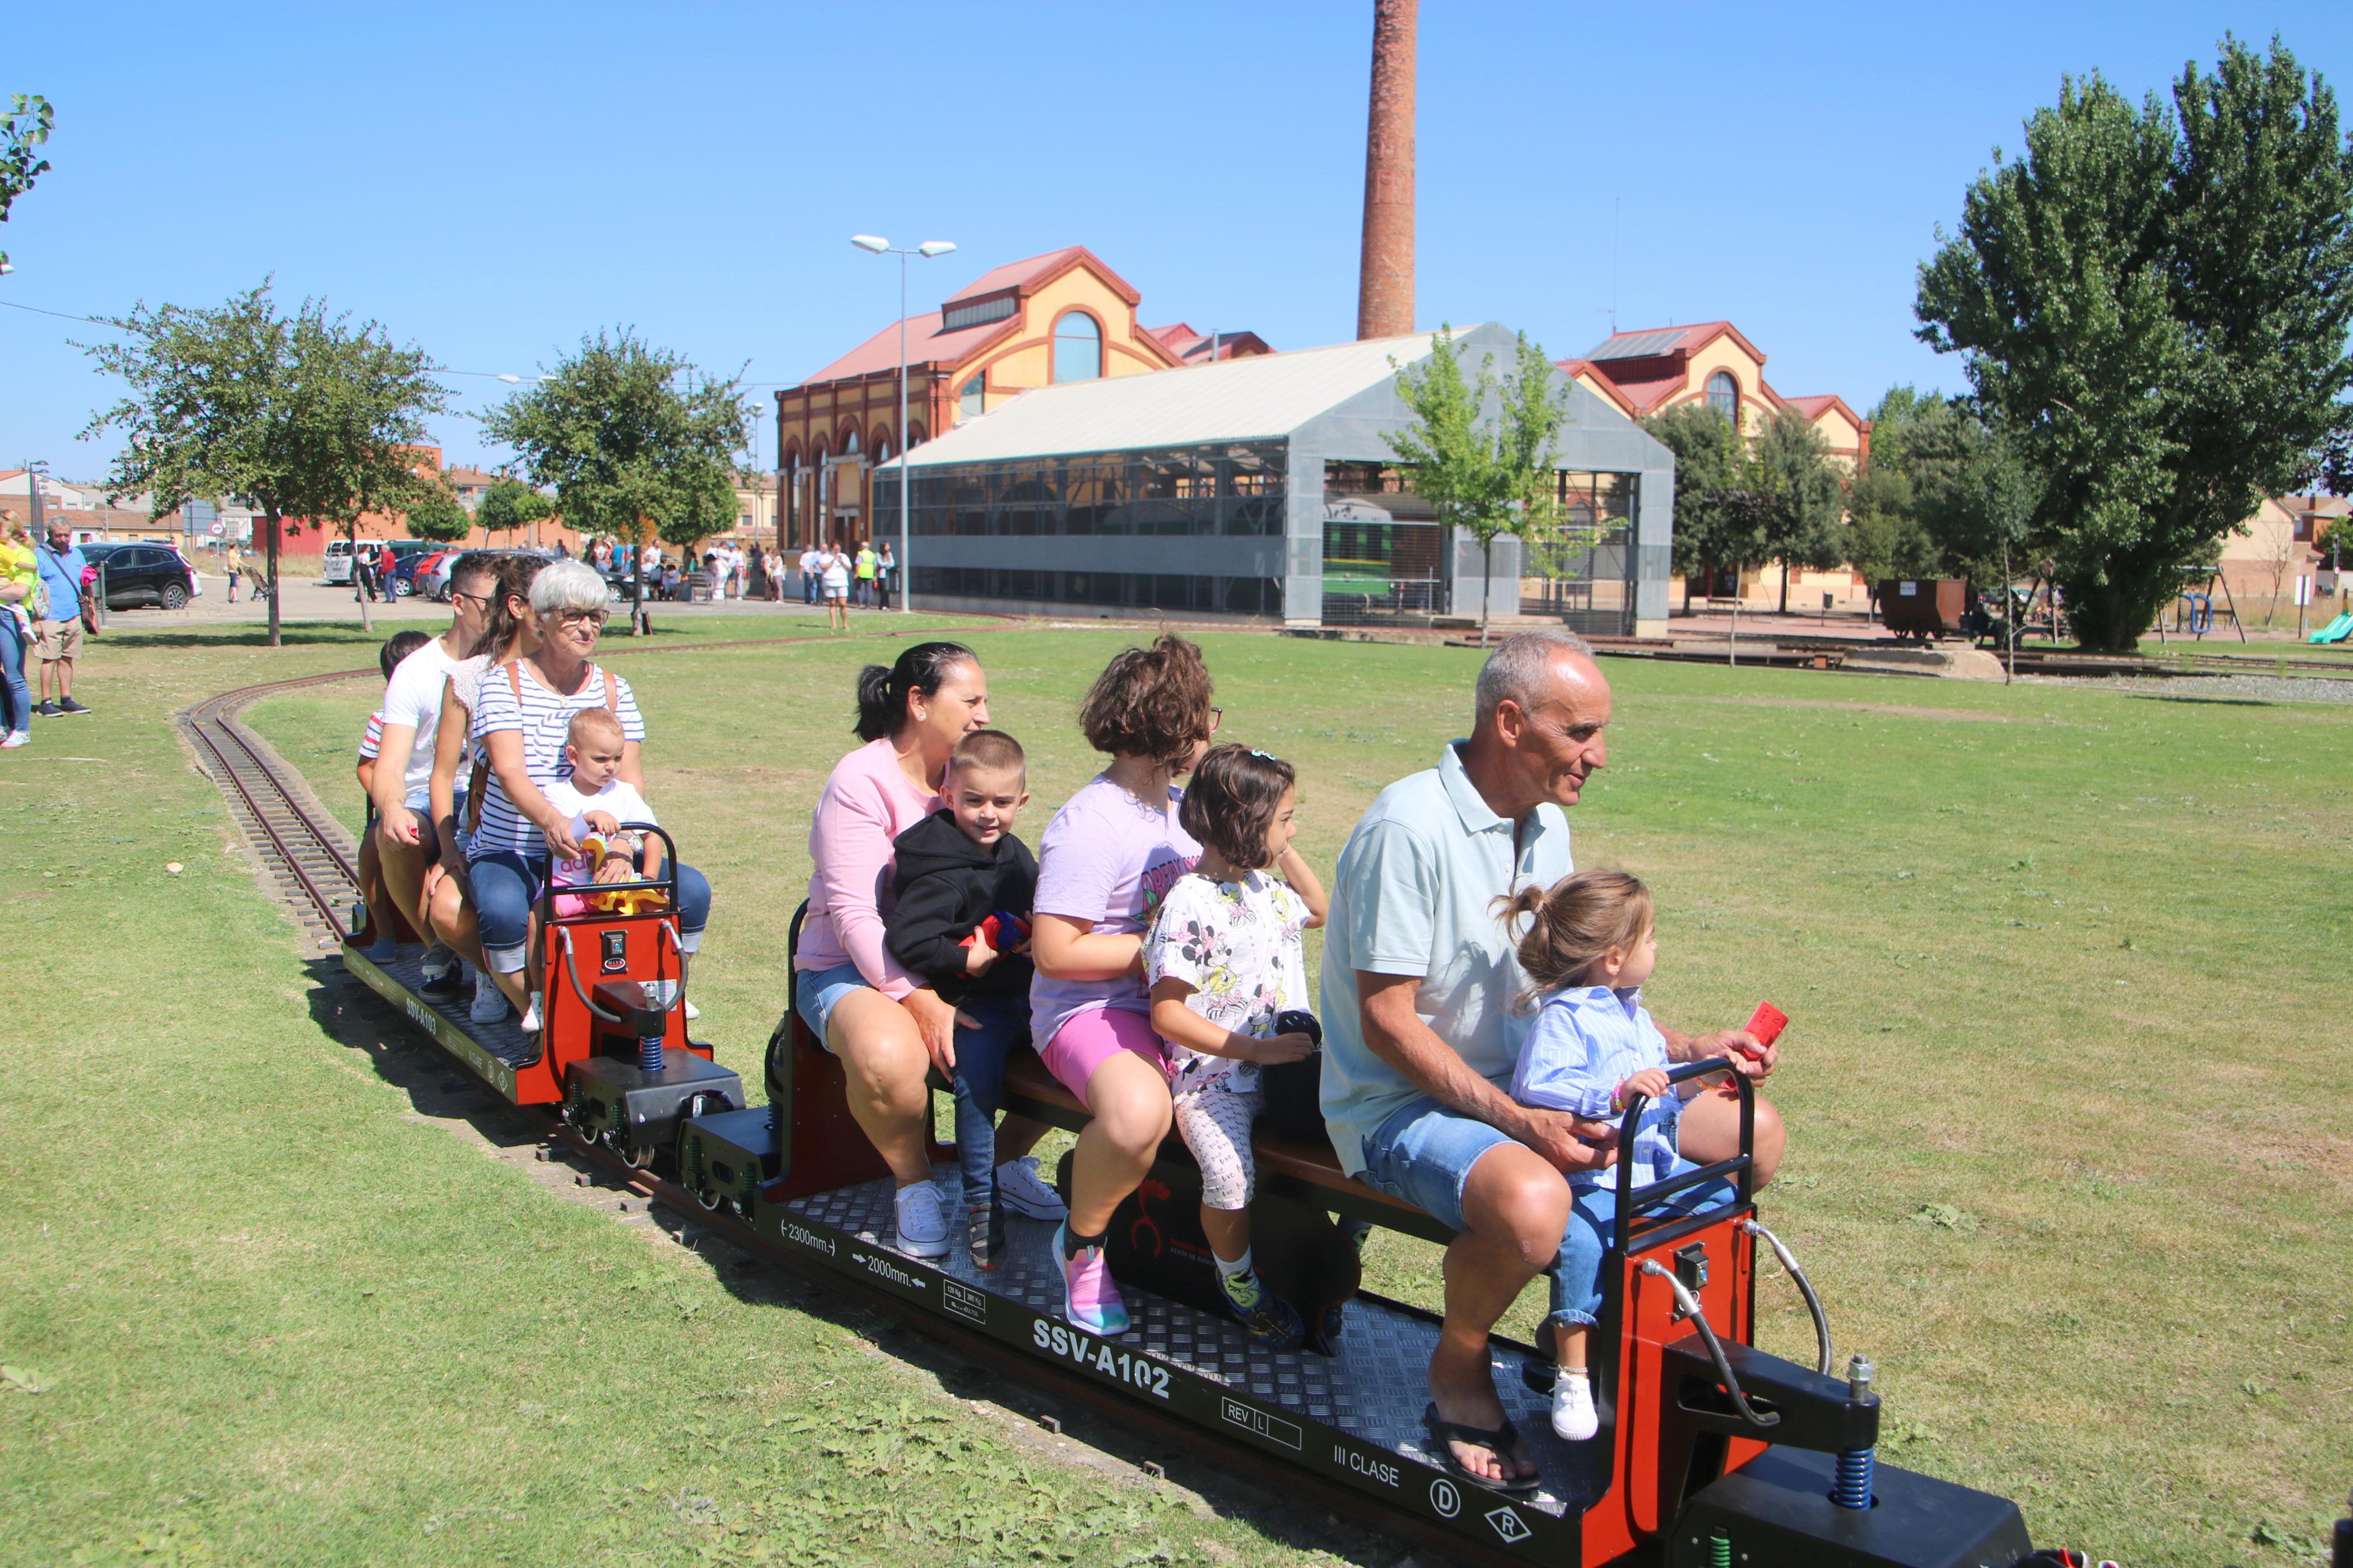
1106 860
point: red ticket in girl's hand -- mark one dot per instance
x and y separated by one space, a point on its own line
1765 1025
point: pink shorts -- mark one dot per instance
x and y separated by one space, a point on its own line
1087 1040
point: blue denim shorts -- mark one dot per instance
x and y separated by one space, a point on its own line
816 991
1423 1153
1576 1273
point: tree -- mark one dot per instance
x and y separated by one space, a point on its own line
1800 499
509 504
2155 306
24 127
1717 522
633 440
312 419
436 512
1487 475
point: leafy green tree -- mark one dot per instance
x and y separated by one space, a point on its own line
309 418
23 127
1718 522
434 512
509 504
1801 499
633 441
2155 307
1487 475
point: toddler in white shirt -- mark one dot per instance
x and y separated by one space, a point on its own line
599 801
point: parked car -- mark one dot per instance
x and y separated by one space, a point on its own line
406 554
134 574
338 566
421 570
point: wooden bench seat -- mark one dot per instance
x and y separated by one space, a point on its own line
1303 1174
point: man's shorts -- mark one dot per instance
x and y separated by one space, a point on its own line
58 640
1423 1153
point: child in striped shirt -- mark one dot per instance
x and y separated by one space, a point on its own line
1593 1048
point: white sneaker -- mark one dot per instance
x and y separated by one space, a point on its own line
1572 1407
437 962
16 738
490 1001
922 1221
531 1017
1020 1190
665 992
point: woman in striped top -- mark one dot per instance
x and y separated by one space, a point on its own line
525 710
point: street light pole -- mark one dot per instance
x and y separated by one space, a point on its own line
928 250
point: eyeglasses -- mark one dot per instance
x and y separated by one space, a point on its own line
1217 716
571 617
485 600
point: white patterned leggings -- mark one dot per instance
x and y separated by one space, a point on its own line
1216 1125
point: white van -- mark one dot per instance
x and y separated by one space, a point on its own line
339 560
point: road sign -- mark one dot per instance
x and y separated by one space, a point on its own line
217 529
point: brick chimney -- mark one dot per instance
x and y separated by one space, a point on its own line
1385 277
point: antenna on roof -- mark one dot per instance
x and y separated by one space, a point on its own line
1615 203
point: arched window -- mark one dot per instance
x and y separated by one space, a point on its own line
849 442
916 434
1078 347
1724 395
969 402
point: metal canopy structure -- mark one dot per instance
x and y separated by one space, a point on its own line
1203 489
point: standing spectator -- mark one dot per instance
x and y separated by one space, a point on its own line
886 570
811 564
563 551
866 572
20 591
836 568
233 563
650 563
59 640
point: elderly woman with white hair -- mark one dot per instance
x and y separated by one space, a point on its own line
526 708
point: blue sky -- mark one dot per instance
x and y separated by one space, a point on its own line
492 180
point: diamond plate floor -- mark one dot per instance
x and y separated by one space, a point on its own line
503 1039
1374 1390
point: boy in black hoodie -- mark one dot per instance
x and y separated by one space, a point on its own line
965 885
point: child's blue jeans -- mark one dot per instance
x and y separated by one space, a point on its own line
1004 1023
1576 1273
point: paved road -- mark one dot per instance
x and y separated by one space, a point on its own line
314 601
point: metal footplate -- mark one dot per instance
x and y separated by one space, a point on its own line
636 1113
724 1160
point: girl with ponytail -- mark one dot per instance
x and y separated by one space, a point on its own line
1587 949
887 1027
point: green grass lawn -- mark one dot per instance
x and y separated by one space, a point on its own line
2069 1099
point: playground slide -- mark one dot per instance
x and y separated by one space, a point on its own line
2337 630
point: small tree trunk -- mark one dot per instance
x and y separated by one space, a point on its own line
270 522
1486 578
1785 585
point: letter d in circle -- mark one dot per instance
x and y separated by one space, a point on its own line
1445 1498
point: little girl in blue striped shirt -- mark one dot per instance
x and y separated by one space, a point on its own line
1593 1046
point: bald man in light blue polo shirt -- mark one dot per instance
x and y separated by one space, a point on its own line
1419 1034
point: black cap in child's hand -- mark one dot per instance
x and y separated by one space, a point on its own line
1298 1021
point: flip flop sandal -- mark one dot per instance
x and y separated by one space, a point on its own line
1503 1441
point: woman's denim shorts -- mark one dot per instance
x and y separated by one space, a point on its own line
815 993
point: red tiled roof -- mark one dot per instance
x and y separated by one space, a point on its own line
926 345
1192 348
1684 341
1028 275
1815 404
1580 369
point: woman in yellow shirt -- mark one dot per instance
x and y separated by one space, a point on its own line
20 588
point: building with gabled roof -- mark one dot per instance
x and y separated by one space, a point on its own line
1264 487
1060 317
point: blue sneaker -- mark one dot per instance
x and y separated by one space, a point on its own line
1263 1315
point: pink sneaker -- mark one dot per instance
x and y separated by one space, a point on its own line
1088 1298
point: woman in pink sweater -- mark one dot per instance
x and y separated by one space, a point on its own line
888 1029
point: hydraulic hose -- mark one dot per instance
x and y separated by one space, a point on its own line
1692 1310
1805 1289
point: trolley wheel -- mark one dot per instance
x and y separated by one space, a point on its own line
637 1156
708 1197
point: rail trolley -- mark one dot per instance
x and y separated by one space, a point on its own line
1711 1453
